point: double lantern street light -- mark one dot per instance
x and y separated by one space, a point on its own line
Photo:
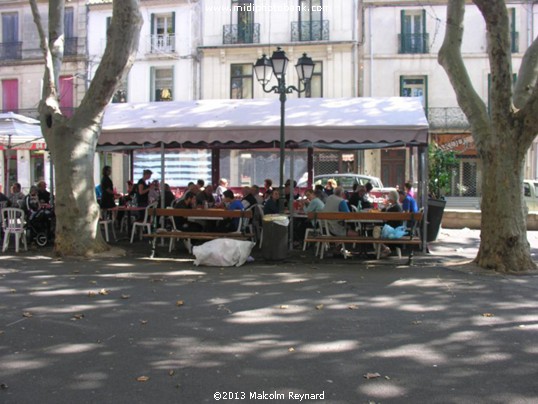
277 65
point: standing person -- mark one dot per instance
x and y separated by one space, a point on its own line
142 191
107 189
17 196
223 186
42 193
268 185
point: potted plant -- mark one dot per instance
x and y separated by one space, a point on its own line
441 165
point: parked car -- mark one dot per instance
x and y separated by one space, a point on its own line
530 191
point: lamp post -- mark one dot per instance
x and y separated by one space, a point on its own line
264 69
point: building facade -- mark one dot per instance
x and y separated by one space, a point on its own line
399 58
21 74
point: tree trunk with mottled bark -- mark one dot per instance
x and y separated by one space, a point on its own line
72 141
502 137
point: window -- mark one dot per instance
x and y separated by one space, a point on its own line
241 81
162 80
514 35
11 47
121 93
70 46
415 86
243 16
314 89
310 26
413 37
163 32
10 95
66 95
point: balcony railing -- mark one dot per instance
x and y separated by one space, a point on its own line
10 50
240 33
310 31
162 43
447 119
70 46
413 43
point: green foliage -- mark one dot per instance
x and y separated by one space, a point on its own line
441 165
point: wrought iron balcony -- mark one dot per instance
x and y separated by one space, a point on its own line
240 33
446 119
70 46
163 43
413 43
310 31
10 50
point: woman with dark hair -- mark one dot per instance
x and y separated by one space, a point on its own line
107 188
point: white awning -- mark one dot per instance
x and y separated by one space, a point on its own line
345 121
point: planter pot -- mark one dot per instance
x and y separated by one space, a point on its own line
436 207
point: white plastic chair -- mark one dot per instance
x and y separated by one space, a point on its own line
186 241
105 221
13 223
145 224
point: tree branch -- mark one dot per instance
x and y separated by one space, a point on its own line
49 85
527 77
122 45
500 57
452 61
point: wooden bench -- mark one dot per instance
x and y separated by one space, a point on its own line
377 218
211 214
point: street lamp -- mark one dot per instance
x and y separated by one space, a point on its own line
277 65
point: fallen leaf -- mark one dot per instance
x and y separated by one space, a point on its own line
3 386
142 379
125 296
291 349
372 375
93 282
91 293
1 332
387 377
171 373
353 307
143 322
488 315
103 292
284 306
76 271
76 317
223 307
44 283
180 303
27 314
12 290
416 322
319 307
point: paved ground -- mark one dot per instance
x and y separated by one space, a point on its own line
131 330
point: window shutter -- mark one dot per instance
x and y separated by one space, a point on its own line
152 83
173 89
402 30
173 22
152 24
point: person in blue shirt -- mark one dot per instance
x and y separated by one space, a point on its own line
408 202
229 225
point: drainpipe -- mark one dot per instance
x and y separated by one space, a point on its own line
370 41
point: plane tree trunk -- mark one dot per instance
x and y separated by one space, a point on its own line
502 136
72 140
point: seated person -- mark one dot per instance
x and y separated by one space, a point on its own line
182 223
312 204
223 186
169 197
205 198
230 224
248 198
272 204
16 198
31 204
330 187
336 203
392 205
323 196
366 199
408 202
356 195
255 192
43 194
288 191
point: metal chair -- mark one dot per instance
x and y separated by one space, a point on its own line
13 222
